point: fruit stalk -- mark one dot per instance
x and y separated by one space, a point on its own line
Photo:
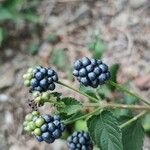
128 92
133 119
114 106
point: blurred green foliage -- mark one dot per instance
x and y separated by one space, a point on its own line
96 46
16 11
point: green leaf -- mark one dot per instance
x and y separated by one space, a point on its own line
97 47
113 71
146 123
105 132
5 14
58 58
133 136
71 105
1 35
33 48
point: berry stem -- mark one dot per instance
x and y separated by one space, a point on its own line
76 90
128 92
114 106
133 119
82 117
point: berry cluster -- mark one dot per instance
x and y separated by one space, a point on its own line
91 72
80 141
45 128
40 79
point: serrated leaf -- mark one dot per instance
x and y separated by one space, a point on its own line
97 47
71 105
105 132
133 136
113 71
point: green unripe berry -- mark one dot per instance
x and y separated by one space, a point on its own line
32 125
39 122
29 76
27 82
27 128
45 96
25 123
25 76
37 131
35 113
30 70
29 117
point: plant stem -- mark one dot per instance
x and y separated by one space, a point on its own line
113 106
76 90
82 117
128 92
133 119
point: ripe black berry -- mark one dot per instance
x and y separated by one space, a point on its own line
40 79
91 72
80 141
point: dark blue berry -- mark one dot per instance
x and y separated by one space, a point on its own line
92 76
44 127
93 62
35 71
104 68
55 78
50 72
47 118
56 117
85 61
39 75
39 138
84 81
56 134
89 68
44 83
97 71
43 70
62 127
72 146
108 75
78 65
82 140
50 80
34 82
38 88
102 77
76 73
51 86
50 140
56 123
51 127
46 136
82 72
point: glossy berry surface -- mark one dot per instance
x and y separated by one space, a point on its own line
91 72
44 127
80 141
40 79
